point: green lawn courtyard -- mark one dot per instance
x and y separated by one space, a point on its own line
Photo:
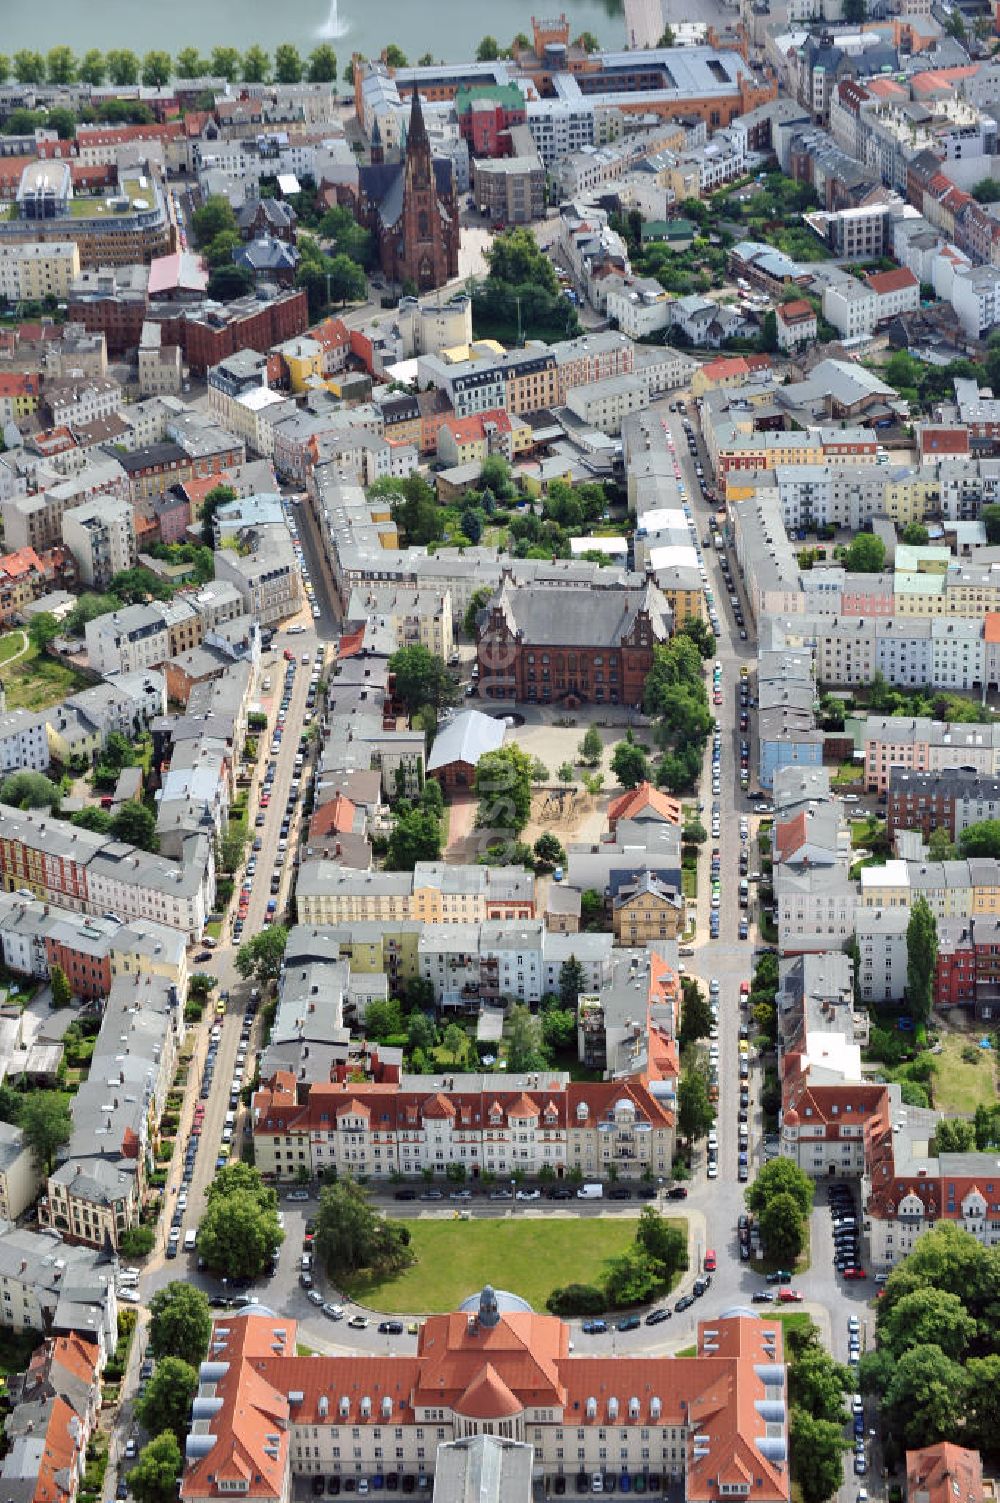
960 1086
34 682
529 1255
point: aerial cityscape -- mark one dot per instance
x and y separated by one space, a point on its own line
500 755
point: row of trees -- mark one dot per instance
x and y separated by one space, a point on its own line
122 67
180 1327
936 1372
649 1267
676 695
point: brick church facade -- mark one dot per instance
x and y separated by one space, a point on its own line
411 209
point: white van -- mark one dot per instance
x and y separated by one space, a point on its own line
230 1120
590 1192
190 1238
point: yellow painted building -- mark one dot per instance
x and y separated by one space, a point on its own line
647 912
304 358
912 498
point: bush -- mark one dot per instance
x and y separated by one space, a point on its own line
137 1242
576 1299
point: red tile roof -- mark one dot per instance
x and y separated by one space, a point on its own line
635 801
336 817
796 312
944 1473
882 282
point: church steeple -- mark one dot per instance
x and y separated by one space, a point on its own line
416 133
377 152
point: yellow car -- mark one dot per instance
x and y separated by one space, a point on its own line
220 1008
744 1047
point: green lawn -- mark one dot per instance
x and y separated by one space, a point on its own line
10 644
961 1087
35 683
528 1255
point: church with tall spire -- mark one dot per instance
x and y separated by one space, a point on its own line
410 208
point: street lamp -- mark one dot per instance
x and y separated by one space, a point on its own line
513 1195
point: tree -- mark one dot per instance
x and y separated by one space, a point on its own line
591 748
549 852
980 839
694 833
516 259
420 1033
781 1228
701 635
927 1317
153 1479
815 1382
166 1404
214 216
865 554
236 1236
60 65
631 1278
288 65
667 38
93 69
854 12
503 788
180 1323
478 601
29 67
92 818
256 65
421 678
940 846
219 495
696 1014
924 1400
123 66
261 956
136 825
817 1455
916 534
524 1042
921 959
351 1234
383 1020
29 790
983 1404
415 511
62 992
191 64
954 1135
346 280
225 63
394 56
416 836
559 1028
781 1177
11 1102
695 1113
572 981
630 764
45 1126
588 42
769 331
488 50
665 1243
990 516
156 69
323 64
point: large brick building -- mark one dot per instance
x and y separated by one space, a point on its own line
550 644
411 209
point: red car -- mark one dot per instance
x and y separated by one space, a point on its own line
744 988
855 1273
710 1260
289 655
265 799
790 1296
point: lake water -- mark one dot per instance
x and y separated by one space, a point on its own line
450 29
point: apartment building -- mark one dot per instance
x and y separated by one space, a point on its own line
425 1122
33 272
409 616
851 307
100 534
496 1375
433 893
926 746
